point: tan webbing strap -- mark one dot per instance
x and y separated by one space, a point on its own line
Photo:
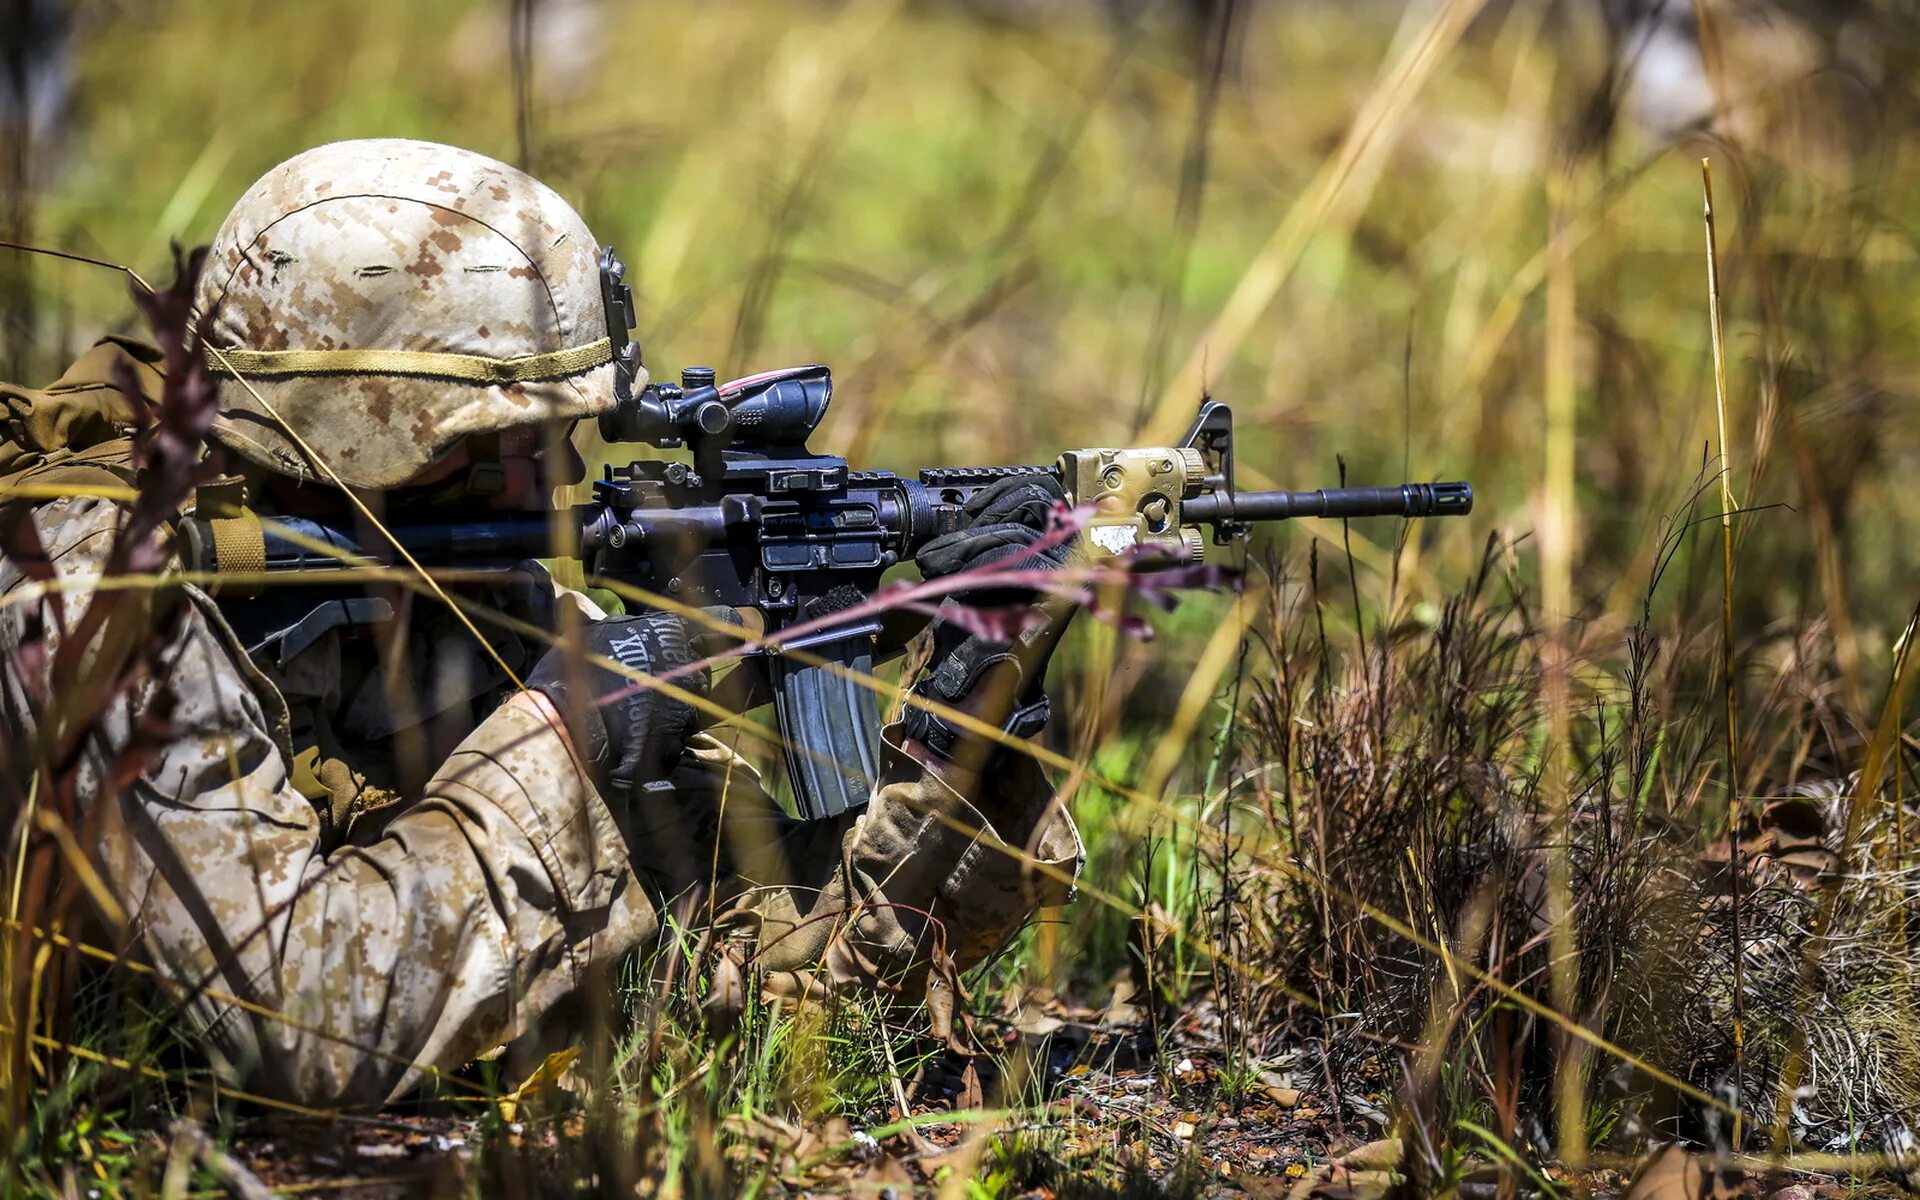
467 368
239 544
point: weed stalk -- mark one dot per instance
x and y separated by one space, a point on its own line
1728 680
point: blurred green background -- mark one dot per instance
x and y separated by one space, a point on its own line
975 216
1008 226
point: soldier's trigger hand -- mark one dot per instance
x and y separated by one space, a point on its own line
1008 520
621 693
723 630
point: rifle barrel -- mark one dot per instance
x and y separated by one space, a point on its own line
1407 500
300 544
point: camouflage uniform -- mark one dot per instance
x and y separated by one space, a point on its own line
402 869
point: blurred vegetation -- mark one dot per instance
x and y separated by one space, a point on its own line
977 224
1008 228
974 223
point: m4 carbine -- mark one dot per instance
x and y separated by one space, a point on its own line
753 519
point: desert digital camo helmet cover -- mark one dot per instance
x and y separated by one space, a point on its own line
387 298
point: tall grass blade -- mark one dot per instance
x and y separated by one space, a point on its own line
1728 680
1557 551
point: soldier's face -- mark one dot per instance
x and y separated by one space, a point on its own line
538 459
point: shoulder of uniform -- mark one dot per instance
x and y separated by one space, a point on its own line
77 531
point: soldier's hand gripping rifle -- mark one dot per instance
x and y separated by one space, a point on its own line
753 519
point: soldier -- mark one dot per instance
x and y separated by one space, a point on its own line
363 826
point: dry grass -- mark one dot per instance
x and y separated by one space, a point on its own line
1472 786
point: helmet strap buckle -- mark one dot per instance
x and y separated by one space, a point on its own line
486 479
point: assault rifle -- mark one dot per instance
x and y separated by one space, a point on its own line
753 519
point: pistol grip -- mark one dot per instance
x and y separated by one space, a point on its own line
830 725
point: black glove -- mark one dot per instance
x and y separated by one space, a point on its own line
636 739
1008 518
1005 520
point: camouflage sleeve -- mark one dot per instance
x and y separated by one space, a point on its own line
342 978
933 860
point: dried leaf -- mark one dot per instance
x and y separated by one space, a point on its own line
1373 1156
946 998
973 1095
1037 1024
1673 1174
1122 1010
726 992
539 1086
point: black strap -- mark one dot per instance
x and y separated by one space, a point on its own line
946 740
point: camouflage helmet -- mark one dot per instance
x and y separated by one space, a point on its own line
381 300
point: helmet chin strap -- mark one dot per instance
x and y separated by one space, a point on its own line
486 475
